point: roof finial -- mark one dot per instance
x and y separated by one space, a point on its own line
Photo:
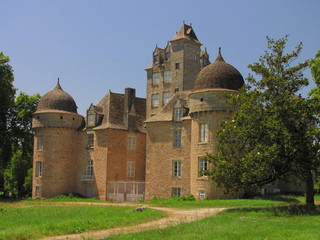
219 50
190 24
184 22
58 81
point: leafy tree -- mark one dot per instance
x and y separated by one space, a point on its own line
273 135
315 71
16 175
7 93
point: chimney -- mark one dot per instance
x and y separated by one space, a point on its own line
129 115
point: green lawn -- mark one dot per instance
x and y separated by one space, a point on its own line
274 223
36 222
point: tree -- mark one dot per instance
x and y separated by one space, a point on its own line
7 93
273 135
315 71
16 174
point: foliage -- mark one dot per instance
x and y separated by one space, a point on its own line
273 135
315 71
7 93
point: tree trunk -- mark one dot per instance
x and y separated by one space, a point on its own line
309 189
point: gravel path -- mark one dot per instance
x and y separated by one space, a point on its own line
174 218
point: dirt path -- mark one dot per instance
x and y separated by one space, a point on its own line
175 217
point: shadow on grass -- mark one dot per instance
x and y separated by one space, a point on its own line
284 211
283 198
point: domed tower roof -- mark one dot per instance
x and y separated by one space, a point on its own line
57 99
219 74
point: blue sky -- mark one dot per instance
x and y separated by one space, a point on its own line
97 45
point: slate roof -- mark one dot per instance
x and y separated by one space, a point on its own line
186 32
219 74
113 111
57 100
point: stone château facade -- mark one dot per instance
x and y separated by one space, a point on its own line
129 148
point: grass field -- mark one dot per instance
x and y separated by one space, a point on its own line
278 223
35 222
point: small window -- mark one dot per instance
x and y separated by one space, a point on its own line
196 58
155 79
166 97
177 65
176 192
177 138
91 120
37 192
177 114
155 100
177 168
202 194
167 76
39 143
89 169
90 140
132 142
168 56
38 169
203 165
176 90
131 169
203 134
156 58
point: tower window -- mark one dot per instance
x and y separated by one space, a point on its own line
131 169
39 143
177 65
177 114
177 138
203 134
156 58
176 168
203 166
38 168
90 140
132 142
89 169
176 192
91 120
166 97
167 76
168 56
155 78
155 100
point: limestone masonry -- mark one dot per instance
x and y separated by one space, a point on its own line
128 148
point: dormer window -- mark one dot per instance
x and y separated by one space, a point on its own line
177 114
156 58
168 56
91 120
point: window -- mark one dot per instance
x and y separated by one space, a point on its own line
177 138
131 169
168 56
176 192
202 194
89 168
132 142
203 135
91 120
156 58
177 114
155 78
203 165
39 143
38 169
176 90
177 65
37 192
177 168
166 97
196 58
155 100
167 76
90 140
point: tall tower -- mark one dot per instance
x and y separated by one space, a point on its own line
56 124
174 68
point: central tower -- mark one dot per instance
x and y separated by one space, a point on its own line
174 68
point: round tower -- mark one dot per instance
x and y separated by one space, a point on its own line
208 107
56 125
